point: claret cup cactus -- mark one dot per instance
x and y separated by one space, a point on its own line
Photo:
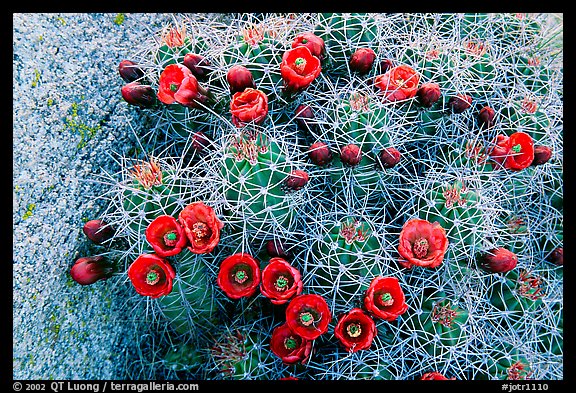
333 196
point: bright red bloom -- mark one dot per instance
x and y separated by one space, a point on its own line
515 152
385 299
288 346
239 275
88 270
422 243
201 226
308 316
299 68
398 83
166 236
249 105
151 275
355 330
434 375
280 281
311 41
179 85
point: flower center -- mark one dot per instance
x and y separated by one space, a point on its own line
306 318
517 148
387 299
170 238
299 65
281 283
174 86
304 40
200 230
354 330
290 343
241 276
420 247
400 82
152 277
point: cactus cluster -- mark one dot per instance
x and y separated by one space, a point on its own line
346 196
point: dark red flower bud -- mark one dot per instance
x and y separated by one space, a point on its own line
556 256
137 94
486 117
198 64
498 260
541 155
276 248
129 71
388 158
460 102
200 141
362 60
320 154
239 78
428 94
385 65
296 180
351 155
98 231
88 270
313 42
303 116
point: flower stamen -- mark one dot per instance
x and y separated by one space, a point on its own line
152 277
171 238
290 343
306 318
281 283
387 299
241 276
420 247
354 330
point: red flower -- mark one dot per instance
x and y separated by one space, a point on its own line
422 243
355 330
308 316
129 71
515 152
362 60
201 226
385 299
249 105
434 375
299 68
280 281
296 180
239 276
151 275
311 41
239 78
179 85
166 236
88 270
398 83
288 346
428 94
320 154
137 94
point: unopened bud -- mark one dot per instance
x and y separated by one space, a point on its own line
388 157
459 103
498 260
88 270
351 155
556 256
239 78
97 231
140 95
362 60
129 71
303 116
198 64
276 248
385 65
296 180
541 155
320 154
200 141
428 94
486 117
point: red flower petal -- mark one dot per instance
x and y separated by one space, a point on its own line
435 236
151 275
249 105
289 346
355 330
297 80
374 303
308 316
290 281
239 276
158 234
201 226
398 83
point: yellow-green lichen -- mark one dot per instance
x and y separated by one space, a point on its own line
29 210
36 78
86 132
119 19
